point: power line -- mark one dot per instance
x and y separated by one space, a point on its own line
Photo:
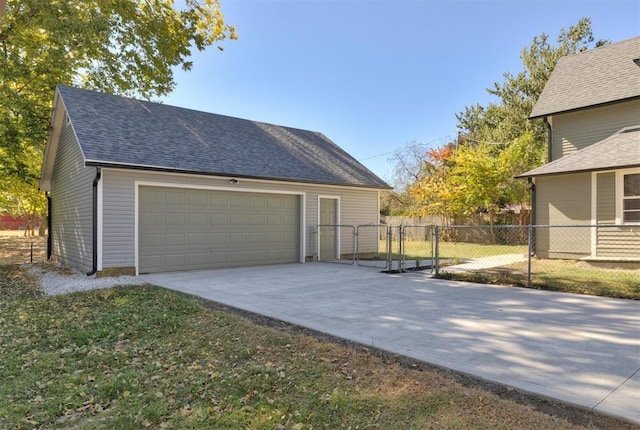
448 136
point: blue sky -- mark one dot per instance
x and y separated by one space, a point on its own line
375 75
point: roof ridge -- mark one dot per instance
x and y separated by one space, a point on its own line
597 49
124 131
159 103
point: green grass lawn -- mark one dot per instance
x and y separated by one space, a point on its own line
449 250
556 275
559 275
144 357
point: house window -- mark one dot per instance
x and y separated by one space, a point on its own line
631 198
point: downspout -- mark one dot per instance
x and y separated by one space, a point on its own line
532 190
49 208
95 223
547 124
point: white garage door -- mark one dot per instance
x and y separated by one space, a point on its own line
185 229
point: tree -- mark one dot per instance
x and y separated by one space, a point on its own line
508 118
471 181
476 178
433 193
125 47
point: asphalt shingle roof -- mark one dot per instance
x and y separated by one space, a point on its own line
620 150
114 130
602 75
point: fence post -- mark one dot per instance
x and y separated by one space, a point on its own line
315 233
389 246
529 253
436 231
400 248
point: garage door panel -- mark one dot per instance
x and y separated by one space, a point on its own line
256 202
151 240
238 201
150 219
218 219
151 261
197 259
198 219
198 199
218 238
174 239
194 239
174 218
174 260
217 259
182 229
175 197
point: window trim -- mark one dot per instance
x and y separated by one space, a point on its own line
620 174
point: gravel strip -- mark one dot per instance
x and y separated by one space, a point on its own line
62 281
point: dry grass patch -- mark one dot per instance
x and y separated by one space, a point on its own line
145 357
15 248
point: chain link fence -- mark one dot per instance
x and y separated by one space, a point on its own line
418 247
601 259
373 246
334 243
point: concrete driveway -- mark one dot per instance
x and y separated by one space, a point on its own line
582 350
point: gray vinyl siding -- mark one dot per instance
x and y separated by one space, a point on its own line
618 242
576 130
357 206
563 200
606 198
613 241
72 205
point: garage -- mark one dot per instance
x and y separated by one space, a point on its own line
187 229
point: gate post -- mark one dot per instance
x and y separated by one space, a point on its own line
401 248
314 233
389 246
529 253
436 232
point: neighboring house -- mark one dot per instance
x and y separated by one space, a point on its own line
591 105
10 222
138 187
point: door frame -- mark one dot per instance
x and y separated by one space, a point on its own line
337 200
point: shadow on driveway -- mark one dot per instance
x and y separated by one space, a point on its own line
582 350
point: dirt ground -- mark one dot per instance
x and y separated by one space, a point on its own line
15 248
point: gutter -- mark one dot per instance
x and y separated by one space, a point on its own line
94 268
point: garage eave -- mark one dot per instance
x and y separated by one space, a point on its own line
161 169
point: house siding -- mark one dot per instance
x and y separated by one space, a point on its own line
574 131
560 201
606 198
618 242
72 205
357 206
615 242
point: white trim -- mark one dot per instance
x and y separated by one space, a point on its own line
620 193
100 220
594 213
238 178
136 221
230 188
338 211
303 222
215 187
